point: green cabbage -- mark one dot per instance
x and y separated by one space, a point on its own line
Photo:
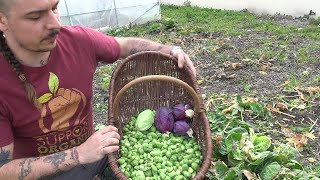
145 120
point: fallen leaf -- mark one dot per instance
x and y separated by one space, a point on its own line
218 138
231 76
249 175
298 141
284 83
200 81
228 110
250 100
310 135
287 132
264 67
281 106
236 65
263 72
221 42
301 106
313 90
312 160
310 90
262 58
275 110
301 95
248 61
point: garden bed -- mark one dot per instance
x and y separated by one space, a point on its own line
271 62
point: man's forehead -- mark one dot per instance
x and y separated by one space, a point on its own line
26 6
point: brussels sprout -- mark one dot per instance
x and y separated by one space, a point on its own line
164 119
145 120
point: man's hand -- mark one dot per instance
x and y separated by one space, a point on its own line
98 145
183 58
129 46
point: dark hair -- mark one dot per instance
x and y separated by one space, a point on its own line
17 68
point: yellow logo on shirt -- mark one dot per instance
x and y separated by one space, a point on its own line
61 118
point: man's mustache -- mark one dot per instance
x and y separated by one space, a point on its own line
53 33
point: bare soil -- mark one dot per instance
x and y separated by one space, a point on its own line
264 76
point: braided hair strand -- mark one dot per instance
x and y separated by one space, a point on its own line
17 68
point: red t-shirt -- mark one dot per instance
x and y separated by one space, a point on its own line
64 88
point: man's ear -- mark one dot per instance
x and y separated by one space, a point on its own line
3 22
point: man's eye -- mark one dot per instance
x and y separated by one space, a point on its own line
55 8
34 18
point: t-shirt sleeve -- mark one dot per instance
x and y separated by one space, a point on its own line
106 47
6 135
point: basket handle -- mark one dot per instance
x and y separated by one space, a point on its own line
153 78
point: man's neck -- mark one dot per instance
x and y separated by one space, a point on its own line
33 59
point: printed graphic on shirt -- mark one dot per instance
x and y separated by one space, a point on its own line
62 119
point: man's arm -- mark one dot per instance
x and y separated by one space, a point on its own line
37 167
97 146
131 45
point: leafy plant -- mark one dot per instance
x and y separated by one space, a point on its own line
102 108
247 88
317 79
256 108
104 73
315 21
242 150
169 23
291 84
302 55
241 153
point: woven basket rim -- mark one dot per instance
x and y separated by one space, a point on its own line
112 157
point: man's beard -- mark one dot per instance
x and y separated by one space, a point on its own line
52 34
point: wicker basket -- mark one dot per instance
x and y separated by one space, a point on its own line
150 80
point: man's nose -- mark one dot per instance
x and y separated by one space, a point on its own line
53 21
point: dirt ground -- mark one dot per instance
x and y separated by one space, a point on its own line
264 76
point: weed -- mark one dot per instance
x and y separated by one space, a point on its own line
187 3
292 83
302 55
247 88
315 21
169 24
104 73
101 108
317 78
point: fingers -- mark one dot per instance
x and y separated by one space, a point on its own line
110 149
112 136
183 58
190 65
108 129
110 142
110 139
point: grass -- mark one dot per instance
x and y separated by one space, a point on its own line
188 21
230 23
275 42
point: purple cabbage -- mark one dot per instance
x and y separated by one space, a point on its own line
182 111
164 119
181 128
